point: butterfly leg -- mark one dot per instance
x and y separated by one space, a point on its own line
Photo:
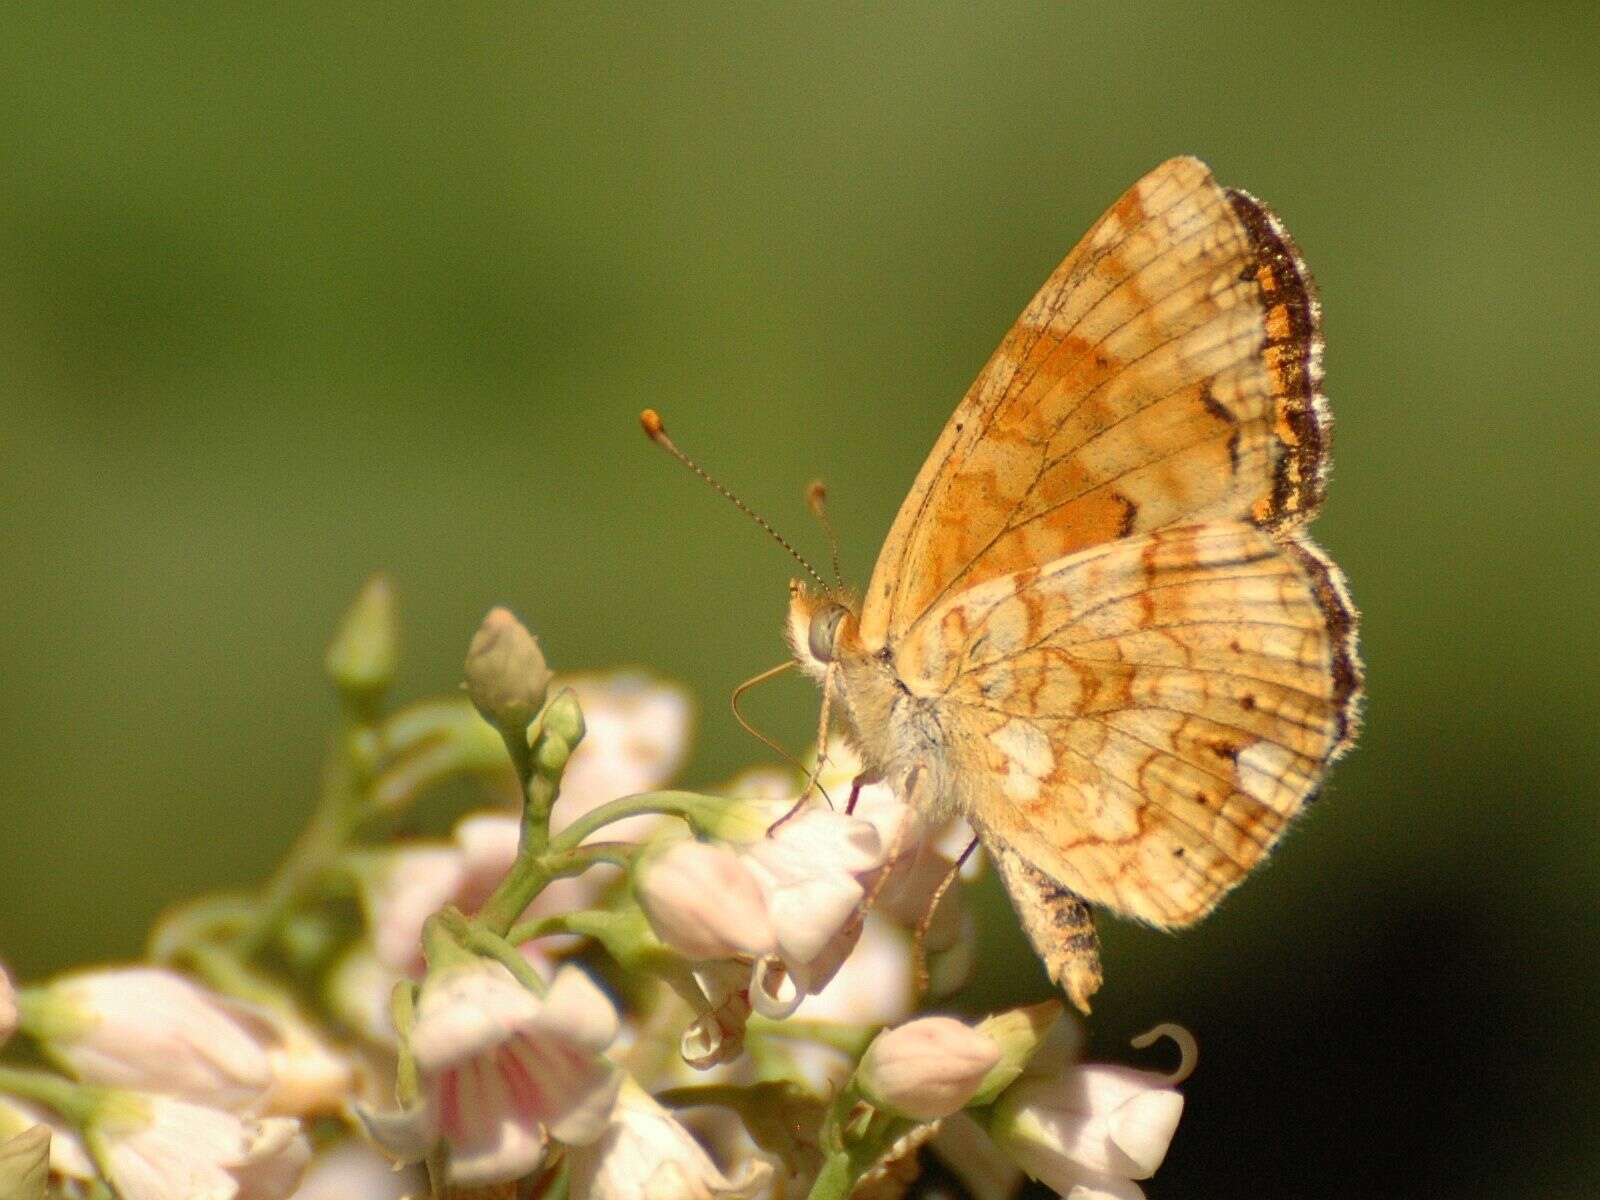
1058 923
919 940
865 779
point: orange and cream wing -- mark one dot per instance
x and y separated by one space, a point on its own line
1167 373
1140 721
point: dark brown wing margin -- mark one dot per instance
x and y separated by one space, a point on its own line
1293 353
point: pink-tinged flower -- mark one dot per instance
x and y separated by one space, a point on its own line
69 1157
647 1155
815 870
703 903
502 1071
8 1006
152 1030
404 889
1090 1130
158 1148
927 1068
355 1171
637 732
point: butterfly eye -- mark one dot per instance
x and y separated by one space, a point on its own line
824 629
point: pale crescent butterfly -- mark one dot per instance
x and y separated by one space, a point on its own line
1098 630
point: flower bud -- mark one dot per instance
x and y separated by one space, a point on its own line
702 902
506 673
25 1164
8 1007
927 1068
361 658
150 1029
565 719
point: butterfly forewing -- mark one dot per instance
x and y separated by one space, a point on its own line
1168 372
1139 721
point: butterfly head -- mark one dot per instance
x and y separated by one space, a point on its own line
822 627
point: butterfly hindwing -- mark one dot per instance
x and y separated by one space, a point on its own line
1140 721
1168 372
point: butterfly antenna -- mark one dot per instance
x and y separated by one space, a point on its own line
650 421
817 501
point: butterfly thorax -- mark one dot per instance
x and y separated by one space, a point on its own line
896 732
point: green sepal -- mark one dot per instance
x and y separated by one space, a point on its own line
1019 1033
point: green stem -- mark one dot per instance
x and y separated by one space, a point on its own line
694 808
216 916
526 879
491 945
225 971
836 1178
530 876
78 1102
318 847
852 1039
852 1146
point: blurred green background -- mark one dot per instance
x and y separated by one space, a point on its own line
297 291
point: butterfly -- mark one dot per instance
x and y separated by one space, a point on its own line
1097 630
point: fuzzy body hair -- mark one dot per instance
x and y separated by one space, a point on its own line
899 735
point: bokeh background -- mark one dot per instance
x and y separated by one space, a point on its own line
292 292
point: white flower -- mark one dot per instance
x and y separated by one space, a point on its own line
355 1171
637 732
158 1148
703 903
502 1071
1090 1130
927 1068
647 1155
153 1030
814 869
407 887
8 1006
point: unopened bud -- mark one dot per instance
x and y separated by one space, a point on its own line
506 673
361 658
927 1068
565 718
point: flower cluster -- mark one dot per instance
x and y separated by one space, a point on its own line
591 987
